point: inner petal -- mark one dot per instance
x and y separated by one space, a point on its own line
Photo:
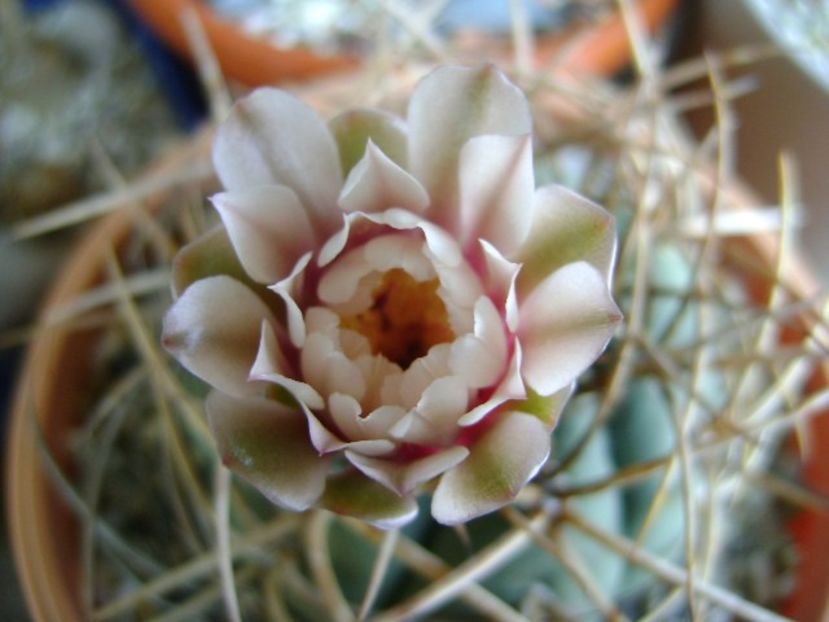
405 319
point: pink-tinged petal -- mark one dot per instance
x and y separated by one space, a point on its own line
423 372
377 372
321 320
287 289
271 137
379 421
500 463
511 388
346 411
268 445
323 440
213 330
395 218
434 419
399 251
565 228
404 477
376 183
565 325
327 369
268 228
335 244
496 191
270 366
347 414
383 253
441 246
448 107
353 494
481 358
444 401
371 447
353 129
501 276
211 254
269 356
425 469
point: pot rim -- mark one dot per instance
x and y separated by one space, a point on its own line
600 49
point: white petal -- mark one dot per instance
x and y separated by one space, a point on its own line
339 283
354 345
513 384
269 356
447 108
481 411
269 446
271 137
335 244
354 128
399 251
379 421
566 227
490 329
511 388
500 463
321 320
268 227
379 374
496 191
318 347
565 325
431 466
501 276
481 358
347 414
371 447
346 411
444 401
323 440
343 281
423 372
376 183
472 361
288 289
384 472
404 478
343 376
301 391
271 366
442 246
397 218
213 330
434 419
328 370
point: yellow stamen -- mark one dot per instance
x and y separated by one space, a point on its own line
405 320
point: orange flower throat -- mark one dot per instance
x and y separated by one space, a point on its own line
405 320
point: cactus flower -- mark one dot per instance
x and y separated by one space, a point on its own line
391 306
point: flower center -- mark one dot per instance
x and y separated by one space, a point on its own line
405 319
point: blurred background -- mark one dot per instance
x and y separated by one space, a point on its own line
92 92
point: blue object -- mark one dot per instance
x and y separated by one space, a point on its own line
32 6
176 76
494 16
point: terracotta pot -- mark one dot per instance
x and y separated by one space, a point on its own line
601 49
51 397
